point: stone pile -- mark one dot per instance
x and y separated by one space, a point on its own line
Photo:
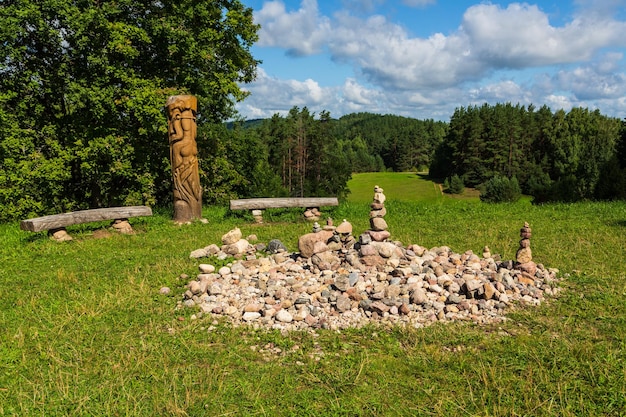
312 214
524 255
233 244
378 226
336 282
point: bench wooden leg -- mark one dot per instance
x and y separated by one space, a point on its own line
258 216
60 234
312 214
122 226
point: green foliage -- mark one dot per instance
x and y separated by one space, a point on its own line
556 156
235 164
305 154
612 181
454 185
73 343
500 190
83 87
378 142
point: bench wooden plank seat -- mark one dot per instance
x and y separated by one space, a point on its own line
265 203
59 221
257 205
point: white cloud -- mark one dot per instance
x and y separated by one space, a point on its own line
271 95
489 38
592 82
557 102
302 32
575 62
357 94
521 36
502 91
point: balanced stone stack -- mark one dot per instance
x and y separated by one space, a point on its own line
312 214
233 243
524 255
258 216
378 226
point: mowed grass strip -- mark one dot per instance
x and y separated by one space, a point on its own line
84 330
404 186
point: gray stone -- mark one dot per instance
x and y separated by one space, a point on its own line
275 246
342 282
454 299
198 253
343 304
365 239
353 277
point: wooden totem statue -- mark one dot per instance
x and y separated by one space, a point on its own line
181 117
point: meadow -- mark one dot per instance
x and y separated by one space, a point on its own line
85 332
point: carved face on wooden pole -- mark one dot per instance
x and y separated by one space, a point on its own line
181 117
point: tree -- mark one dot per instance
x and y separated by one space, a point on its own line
306 154
83 86
501 189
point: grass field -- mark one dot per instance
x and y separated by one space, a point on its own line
85 332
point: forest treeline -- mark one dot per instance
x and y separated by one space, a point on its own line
82 123
554 156
304 154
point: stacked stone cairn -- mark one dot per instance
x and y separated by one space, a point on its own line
312 214
335 282
378 226
257 215
524 255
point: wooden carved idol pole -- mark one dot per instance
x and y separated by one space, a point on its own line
181 118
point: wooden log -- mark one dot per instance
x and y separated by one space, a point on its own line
265 203
57 221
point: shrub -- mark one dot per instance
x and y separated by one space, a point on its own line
454 185
500 190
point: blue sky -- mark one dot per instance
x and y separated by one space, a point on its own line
424 58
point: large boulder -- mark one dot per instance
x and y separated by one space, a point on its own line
378 224
231 237
306 243
239 247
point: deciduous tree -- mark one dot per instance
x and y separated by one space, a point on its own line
83 86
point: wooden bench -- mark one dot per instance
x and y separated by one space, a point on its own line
257 205
56 223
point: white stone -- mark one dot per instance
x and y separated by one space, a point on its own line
231 237
251 316
284 316
206 268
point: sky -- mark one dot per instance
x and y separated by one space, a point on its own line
425 58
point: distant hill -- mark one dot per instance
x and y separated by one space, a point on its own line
247 124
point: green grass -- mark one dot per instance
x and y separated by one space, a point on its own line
84 331
405 186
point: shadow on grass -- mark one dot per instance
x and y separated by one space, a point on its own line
426 177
